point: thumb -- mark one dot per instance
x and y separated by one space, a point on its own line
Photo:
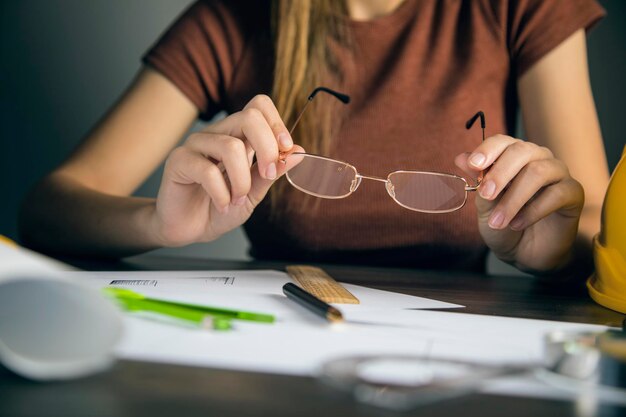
260 186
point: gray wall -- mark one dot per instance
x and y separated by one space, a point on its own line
64 62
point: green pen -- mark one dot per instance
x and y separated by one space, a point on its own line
132 301
195 317
131 297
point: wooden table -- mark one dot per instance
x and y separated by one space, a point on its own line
145 389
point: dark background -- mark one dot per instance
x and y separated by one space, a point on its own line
63 63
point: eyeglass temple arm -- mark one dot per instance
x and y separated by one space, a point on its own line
344 98
468 125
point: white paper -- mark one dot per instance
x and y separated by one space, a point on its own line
260 289
300 346
299 343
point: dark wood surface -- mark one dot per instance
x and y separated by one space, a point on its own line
145 389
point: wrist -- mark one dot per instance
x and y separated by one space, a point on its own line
576 264
164 234
148 219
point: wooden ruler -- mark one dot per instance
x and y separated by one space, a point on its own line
320 284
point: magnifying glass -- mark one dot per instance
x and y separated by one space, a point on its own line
403 382
572 360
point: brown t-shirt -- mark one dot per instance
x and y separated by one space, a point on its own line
415 76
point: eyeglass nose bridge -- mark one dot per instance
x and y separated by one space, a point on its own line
357 181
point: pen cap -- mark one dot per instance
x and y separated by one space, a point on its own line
52 327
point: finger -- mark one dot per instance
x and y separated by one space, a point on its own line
265 104
260 185
193 168
233 154
250 153
251 125
508 164
291 160
266 107
565 196
488 151
246 125
530 180
462 161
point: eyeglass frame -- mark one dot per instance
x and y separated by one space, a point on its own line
345 99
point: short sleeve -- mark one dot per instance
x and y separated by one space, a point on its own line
199 53
535 27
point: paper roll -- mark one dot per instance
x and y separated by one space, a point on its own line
52 327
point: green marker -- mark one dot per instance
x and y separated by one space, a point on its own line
195 317
191 312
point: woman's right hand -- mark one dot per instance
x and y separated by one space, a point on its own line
210 184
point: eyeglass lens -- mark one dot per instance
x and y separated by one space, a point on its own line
322 177
428 191
422 191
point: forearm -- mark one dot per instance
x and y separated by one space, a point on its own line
62 216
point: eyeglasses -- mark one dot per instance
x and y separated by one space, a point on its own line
422 191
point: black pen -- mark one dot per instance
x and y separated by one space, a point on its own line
312 303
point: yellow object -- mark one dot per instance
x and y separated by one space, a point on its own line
5 240
608 285
317 282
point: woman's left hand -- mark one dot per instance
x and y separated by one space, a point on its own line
528 204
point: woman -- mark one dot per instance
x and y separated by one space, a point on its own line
415 70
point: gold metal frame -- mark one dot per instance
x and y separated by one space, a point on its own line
389 186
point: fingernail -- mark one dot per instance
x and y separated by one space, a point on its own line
487 189
270 172
496 220
517 223
478 160
240 201
285 140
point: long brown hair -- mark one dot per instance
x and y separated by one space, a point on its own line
303 61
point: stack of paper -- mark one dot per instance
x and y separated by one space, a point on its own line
299 343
